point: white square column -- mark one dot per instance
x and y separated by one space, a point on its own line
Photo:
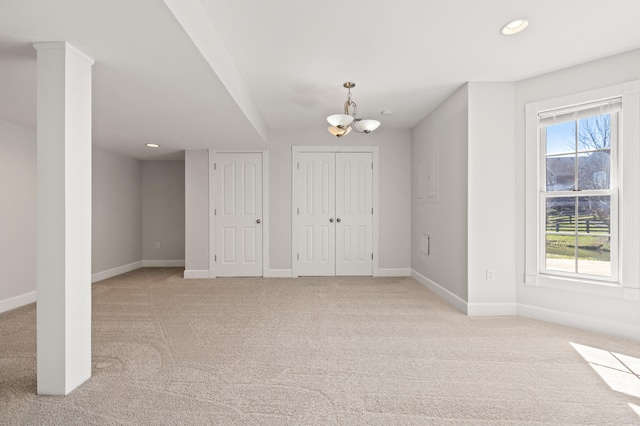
64 218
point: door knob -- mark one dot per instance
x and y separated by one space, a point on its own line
331 220
338 220
258 221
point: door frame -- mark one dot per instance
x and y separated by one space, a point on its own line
212 207
295 151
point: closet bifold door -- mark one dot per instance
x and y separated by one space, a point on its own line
354 213
335 213
316 220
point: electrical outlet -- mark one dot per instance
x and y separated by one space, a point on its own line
491 275
157 245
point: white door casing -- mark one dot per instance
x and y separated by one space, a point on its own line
238 214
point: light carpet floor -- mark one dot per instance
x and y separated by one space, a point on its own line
317 351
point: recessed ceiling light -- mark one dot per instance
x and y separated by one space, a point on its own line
386 112
515 26
152 145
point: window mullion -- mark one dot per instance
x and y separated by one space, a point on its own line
576 186
575 235
576 171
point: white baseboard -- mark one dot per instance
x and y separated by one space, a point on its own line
196 273
470 309
394 272
17 301
163 263
597 325
492 309
103 275
451 298
382 272
204 273
277 273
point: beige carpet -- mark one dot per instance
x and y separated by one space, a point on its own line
317 351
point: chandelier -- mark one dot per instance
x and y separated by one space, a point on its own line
341 124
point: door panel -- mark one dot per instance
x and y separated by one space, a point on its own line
248 238
354 215
250 181
229 245
316 191
238 199
228 191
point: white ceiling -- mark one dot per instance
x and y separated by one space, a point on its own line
150 83
193 74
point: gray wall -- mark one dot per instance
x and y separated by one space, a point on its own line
117 211
613 315
163 211
136 204
395 198
444 131
17 210
125 192
197 211
491 197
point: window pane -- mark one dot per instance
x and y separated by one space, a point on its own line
560 252
594 170
561 173
561 214
594 255
561 138
594 215
594 132
560 240
594 241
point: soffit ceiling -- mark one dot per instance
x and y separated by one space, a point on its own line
158 77
150 82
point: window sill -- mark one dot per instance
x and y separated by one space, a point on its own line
599 288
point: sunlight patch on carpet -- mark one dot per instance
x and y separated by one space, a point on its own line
619 372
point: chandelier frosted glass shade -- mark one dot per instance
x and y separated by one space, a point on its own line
341 124
337 131
365 126
340 120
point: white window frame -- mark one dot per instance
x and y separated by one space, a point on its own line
627 282
612 193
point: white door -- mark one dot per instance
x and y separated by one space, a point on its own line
316 213
354 214
238 214
335 216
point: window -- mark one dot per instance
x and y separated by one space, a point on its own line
579 190
582 192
